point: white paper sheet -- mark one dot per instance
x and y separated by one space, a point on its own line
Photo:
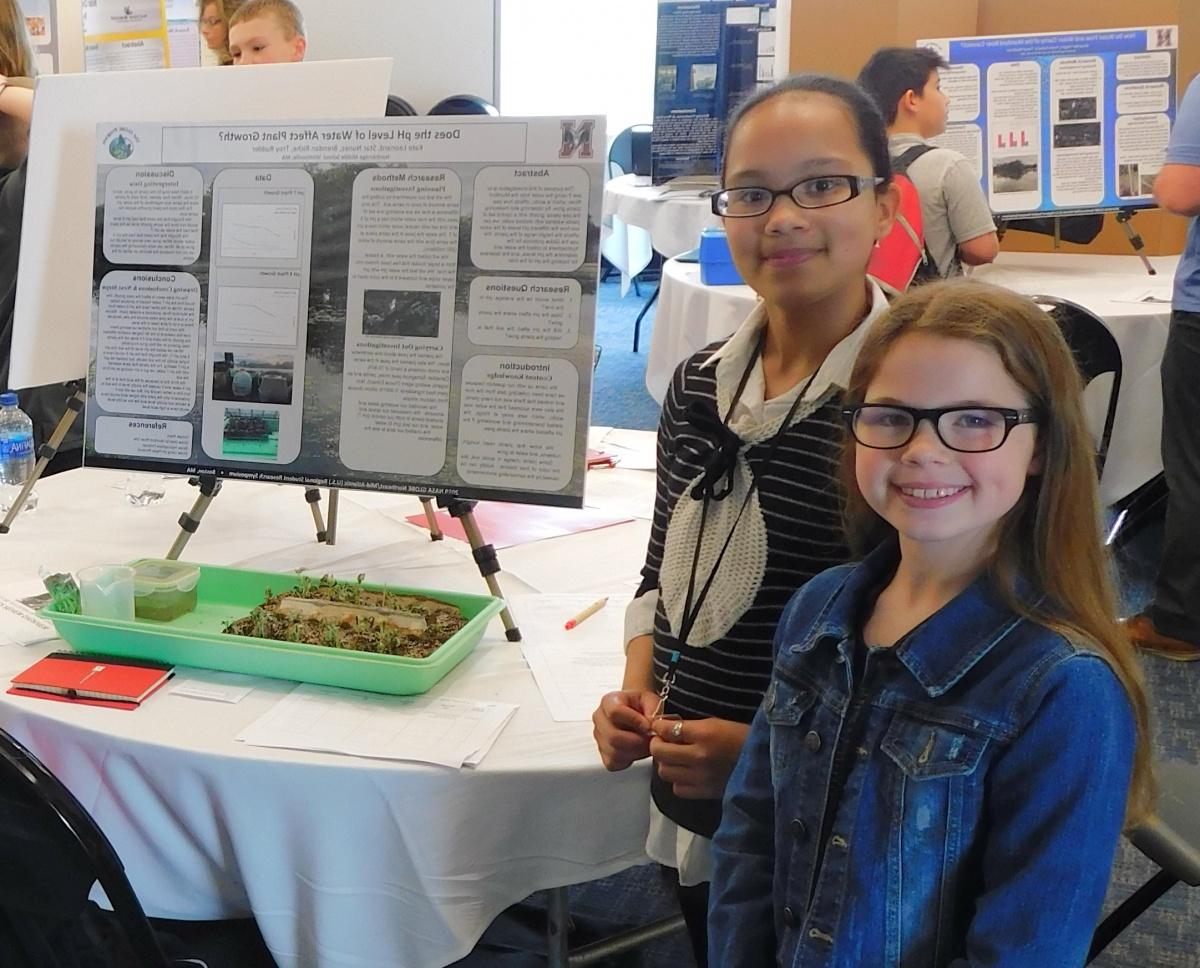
635 449
441 730
20 627
213 686
1155 293
572 668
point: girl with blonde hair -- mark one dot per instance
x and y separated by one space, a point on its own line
955 731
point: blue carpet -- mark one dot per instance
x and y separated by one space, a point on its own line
619 397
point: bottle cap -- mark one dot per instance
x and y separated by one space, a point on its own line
9 399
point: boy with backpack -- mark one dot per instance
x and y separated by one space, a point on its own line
957 224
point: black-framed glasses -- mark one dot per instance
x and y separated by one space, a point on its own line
969 430
819 191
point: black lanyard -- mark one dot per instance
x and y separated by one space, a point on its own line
691 612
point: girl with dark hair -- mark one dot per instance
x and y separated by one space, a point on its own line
942 763
748 507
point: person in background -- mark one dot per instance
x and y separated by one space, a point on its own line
941 767
17 70
748 507
958 224
44 404
267 32
214 27
1170 627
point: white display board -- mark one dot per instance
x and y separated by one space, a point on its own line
50 329
405 304
439 48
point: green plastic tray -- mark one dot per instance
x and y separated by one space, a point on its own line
225 594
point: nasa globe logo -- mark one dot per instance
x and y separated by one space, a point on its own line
120 147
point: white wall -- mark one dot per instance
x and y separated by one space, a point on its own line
441 47
578 57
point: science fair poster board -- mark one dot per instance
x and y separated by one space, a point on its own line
51 315
1062 122
711 54
125 35
399 305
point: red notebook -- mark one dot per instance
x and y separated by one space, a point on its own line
97 680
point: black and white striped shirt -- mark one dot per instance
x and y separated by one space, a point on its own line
802 509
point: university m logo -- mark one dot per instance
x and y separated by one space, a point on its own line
576 139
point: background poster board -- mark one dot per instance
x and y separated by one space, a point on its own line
41 20
183 33
1062 122
405 304
125 35
51 315
711 54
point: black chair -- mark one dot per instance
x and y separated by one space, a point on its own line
1096 352
464 104
397 107
629 153
1170 838
51 855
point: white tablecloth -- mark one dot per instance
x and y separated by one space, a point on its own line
639 220
343 861
690 315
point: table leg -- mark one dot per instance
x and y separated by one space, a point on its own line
558 920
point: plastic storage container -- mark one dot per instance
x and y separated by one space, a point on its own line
164 589
226 594
716 264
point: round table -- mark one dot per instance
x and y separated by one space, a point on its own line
691 315
343 861
640 219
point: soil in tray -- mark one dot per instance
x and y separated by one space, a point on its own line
345 615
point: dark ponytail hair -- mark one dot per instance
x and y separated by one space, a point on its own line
868 122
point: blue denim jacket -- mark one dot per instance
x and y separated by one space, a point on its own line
986 763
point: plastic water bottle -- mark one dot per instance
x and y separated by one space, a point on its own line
16 452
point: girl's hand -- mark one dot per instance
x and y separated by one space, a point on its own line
621 726
696 756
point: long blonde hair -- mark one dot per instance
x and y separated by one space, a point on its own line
1051 537
16 52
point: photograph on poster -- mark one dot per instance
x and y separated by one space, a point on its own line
37 21
250 433
1077 135
252 378
1128 180
667 75
704 77
393 312
413 298
1017 173
1076 108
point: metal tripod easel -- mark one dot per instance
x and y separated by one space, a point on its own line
483 553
